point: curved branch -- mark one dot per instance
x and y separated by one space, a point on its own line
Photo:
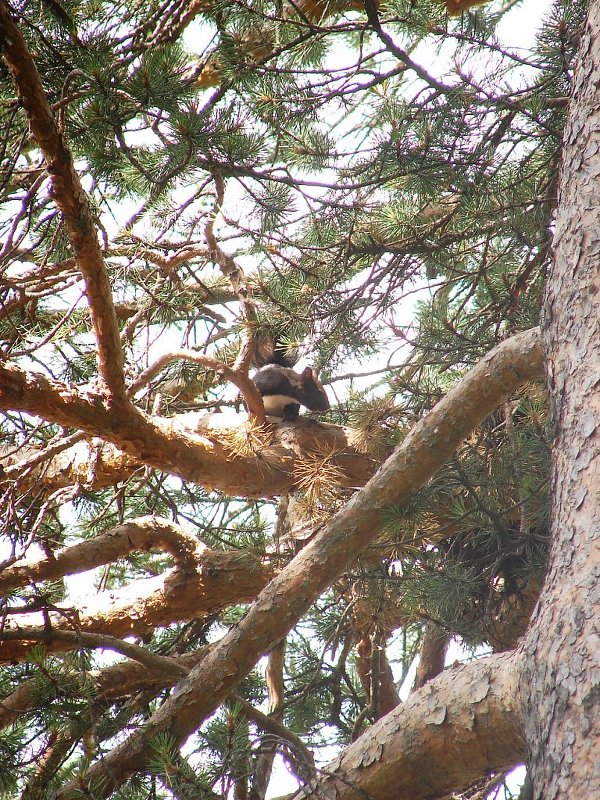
237 377
462 725
145 533
207 458
217 581
103 641
303 758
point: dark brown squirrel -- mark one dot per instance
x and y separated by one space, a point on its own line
284 390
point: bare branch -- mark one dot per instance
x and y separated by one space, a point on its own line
236 376
34 458
234 273
303 758
267 748
102 641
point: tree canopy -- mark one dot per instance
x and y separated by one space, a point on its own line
372 188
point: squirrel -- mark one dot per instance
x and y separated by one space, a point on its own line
284 390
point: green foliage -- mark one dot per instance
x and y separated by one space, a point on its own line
477 535
11 743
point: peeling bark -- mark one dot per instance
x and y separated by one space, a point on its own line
460 726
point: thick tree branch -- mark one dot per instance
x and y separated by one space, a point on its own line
206 459
462 725
402 750
214 581
72 460
145 533
71 199
388 694
30 458
288 596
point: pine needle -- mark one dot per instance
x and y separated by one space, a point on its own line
246 440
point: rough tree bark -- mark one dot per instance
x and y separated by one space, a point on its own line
561 679
558 664
462 725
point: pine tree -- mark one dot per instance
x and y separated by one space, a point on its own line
179 184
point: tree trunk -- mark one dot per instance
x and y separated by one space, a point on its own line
561 679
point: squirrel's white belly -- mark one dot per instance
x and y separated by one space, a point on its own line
275 403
